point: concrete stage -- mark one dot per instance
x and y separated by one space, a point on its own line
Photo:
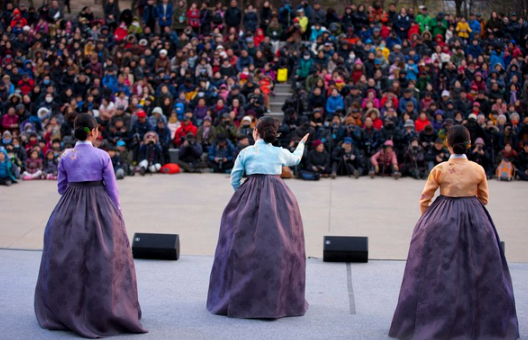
347 302
191 205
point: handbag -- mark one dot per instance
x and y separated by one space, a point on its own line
282 75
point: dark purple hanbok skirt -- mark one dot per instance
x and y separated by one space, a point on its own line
87 280
259 265
456 283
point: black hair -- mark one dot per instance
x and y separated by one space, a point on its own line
458 138
267 128
83 124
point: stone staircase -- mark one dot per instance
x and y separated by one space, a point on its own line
282 93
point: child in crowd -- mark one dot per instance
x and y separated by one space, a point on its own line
50 166
6 176
117 163
33 166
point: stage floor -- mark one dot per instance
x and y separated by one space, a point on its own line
191 205
347 301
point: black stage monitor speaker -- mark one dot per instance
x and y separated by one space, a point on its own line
345 249
156 246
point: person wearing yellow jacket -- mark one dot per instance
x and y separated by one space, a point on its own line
303 20
463 28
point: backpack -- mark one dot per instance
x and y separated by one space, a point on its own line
309 176
505 171
170 168
217 19
286 172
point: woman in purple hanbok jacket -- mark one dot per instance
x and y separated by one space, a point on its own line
87 280
259 265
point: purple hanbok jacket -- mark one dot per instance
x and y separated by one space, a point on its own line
84 163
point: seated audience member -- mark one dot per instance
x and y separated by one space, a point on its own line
384 162
347 160
190 155
150 154
318 160
221 155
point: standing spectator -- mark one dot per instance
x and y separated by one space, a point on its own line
165 12
150 15
180 16
423 19
111 13
250 19
193 18
233 16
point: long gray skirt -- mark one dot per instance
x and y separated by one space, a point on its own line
87 280
259 265
456 283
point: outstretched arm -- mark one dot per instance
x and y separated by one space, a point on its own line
292 159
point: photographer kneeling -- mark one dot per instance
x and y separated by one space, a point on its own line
190 155
221 155
347 160
150 154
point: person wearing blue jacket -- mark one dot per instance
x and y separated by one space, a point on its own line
474 24
221 155
407 97
165 11
474 49
334 102
497 57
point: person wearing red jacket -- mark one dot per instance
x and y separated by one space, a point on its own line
193 17
26 84
186 127
10 122
18 18
421 122
121 32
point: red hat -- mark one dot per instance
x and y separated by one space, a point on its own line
317 142
141 114
476 104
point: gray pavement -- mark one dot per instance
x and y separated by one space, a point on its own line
191 205
173 295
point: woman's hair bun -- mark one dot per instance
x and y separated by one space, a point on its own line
80 133
83 124
267 128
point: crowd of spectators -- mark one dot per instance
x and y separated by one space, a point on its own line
377 88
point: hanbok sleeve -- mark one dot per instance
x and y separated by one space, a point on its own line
430 188
292 158
62 178
482 188
238 170
110 180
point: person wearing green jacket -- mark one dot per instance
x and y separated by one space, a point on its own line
305 67
180 17
424 20
439 25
